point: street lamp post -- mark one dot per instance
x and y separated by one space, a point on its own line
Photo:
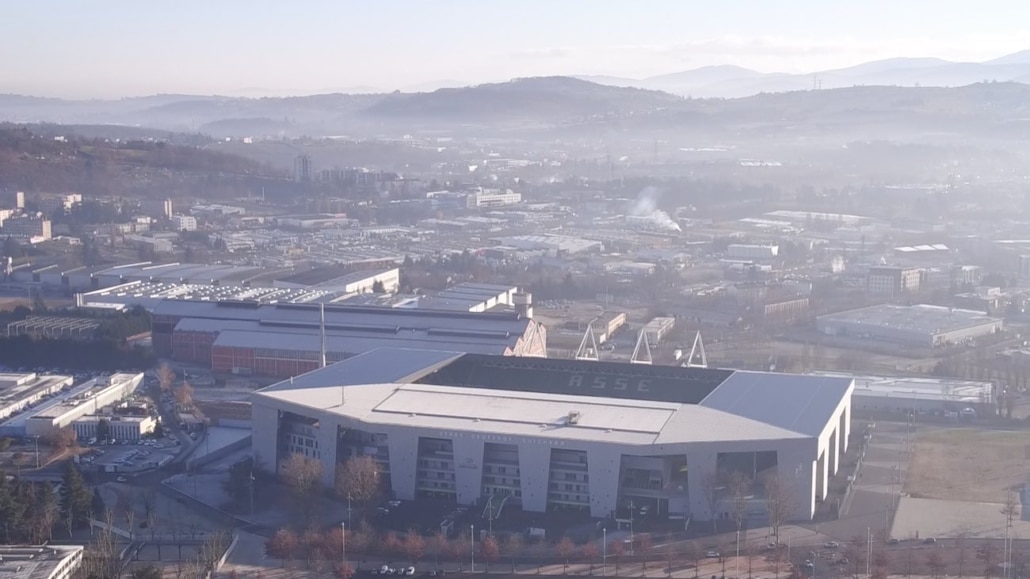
343 541
348 508
632 542
472 542
604 552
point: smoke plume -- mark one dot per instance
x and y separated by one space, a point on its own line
646 206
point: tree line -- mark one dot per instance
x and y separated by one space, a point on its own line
104 354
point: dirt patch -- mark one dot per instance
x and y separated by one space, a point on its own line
965 464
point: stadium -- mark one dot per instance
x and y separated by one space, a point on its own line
549 434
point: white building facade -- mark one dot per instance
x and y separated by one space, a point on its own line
118 427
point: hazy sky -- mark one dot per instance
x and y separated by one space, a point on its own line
104 48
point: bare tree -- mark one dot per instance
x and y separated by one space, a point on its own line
360 479
314 546
1010 508
935 563
565 549
165 377
987 553
617 549
643 547
881 563
184 395
490 551
960 554
696 554
739 486
212 550
414 545
513 546
60 438
303 476
779 501
711 484
671 556
439 545
589 551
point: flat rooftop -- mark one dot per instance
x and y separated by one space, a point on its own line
151 294
332 275
921 318
941 389
14 387
33 562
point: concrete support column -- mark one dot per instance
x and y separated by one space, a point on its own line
403 463
699 464
844 430
832 450
326 437
468 469
603 471
535 473
797 469
265 439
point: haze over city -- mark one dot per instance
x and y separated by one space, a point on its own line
659 289
114 49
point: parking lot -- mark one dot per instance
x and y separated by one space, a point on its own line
127 457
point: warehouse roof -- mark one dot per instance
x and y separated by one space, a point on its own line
353 342
917 318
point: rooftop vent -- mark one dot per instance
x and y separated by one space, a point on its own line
574 417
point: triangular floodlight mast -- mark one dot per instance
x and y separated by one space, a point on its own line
642 351
697 351
588 345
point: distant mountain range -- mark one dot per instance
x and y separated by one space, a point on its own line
584 107
733 81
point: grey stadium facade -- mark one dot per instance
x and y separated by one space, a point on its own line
550 434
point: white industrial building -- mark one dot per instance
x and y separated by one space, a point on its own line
104 391
919 325
184 222
40 561
492 198
908 395
20 391
118 427
558 434
747 251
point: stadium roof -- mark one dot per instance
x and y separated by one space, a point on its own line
617 402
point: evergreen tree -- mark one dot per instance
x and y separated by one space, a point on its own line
43 513
76 500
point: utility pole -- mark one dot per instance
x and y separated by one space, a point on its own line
343 541
604 552
472 541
